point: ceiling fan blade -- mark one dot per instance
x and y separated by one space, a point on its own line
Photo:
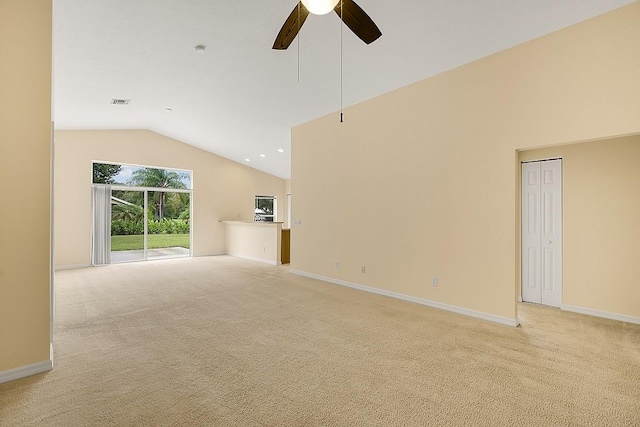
358 21
291 26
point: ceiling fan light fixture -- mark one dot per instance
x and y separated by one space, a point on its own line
320 7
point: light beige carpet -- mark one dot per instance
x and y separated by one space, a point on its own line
225 342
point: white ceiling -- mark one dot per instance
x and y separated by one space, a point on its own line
240 98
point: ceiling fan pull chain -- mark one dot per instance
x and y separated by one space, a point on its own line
341 59
299 5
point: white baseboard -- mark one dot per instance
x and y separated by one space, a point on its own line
422 301
71 267
250 258
25 371
599 313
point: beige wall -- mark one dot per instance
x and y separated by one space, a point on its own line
25 141
255 240
422 181
601 213
222 189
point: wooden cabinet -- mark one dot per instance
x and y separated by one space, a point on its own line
285 255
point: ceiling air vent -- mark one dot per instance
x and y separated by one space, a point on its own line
120 101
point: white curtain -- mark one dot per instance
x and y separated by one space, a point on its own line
101 227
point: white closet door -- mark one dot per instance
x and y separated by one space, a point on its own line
542 232
531 236
551 229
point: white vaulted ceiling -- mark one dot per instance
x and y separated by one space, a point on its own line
239 98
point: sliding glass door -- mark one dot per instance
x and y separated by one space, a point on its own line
127 226
147 224
168 224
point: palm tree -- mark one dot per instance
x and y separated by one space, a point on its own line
158 178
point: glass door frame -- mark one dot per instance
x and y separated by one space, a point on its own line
146 191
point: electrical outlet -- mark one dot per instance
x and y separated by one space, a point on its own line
363 269
337 265
297 221
434 281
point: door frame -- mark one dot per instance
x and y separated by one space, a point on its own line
146 191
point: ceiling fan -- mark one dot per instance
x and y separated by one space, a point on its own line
350 13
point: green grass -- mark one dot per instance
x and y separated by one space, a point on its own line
156 241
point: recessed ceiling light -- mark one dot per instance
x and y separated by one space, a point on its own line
262 155
280 150
168 110
200 48
247 160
